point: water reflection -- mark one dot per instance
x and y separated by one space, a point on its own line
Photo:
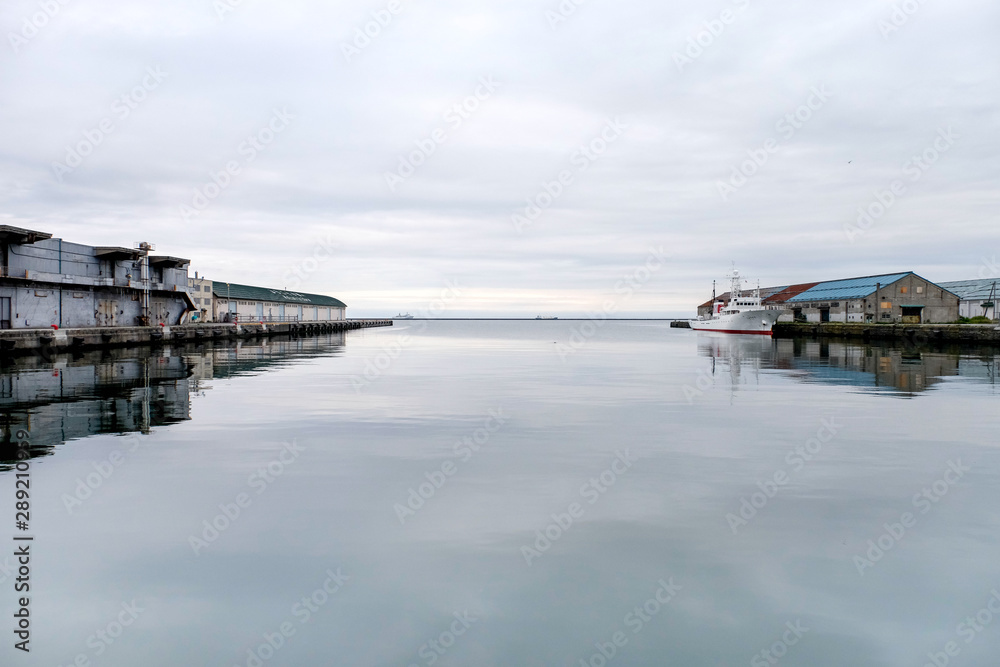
128 390
900 369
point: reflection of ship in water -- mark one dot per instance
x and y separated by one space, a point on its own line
897 368
129 390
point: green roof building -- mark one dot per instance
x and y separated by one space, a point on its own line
246 303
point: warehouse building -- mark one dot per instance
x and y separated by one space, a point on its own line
47 282
245 303
888 298
978 297
776 300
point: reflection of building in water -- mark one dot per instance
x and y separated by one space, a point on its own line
896 368
251 357
984 366
128 390
96 392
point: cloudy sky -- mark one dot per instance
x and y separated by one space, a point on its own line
530 152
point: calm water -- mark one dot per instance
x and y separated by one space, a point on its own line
510 493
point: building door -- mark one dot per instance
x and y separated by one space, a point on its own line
300 313
912 314
824 314
160 313
106 311
260 312
281 311
5 312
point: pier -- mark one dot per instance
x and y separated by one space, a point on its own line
945 333
26 341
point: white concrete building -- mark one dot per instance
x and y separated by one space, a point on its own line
978 297
200 290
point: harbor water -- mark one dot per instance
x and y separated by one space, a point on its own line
516 493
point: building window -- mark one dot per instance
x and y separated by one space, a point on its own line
903 289
207 288
920 289
886 305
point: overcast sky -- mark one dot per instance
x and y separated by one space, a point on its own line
115 116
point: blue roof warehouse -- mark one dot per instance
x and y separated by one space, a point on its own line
890 298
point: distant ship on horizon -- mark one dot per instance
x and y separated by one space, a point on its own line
403 317
546 317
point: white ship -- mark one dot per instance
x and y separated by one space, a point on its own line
742 315
401 316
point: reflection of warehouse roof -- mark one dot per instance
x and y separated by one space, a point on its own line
250 293
972 289
788 292
851 288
